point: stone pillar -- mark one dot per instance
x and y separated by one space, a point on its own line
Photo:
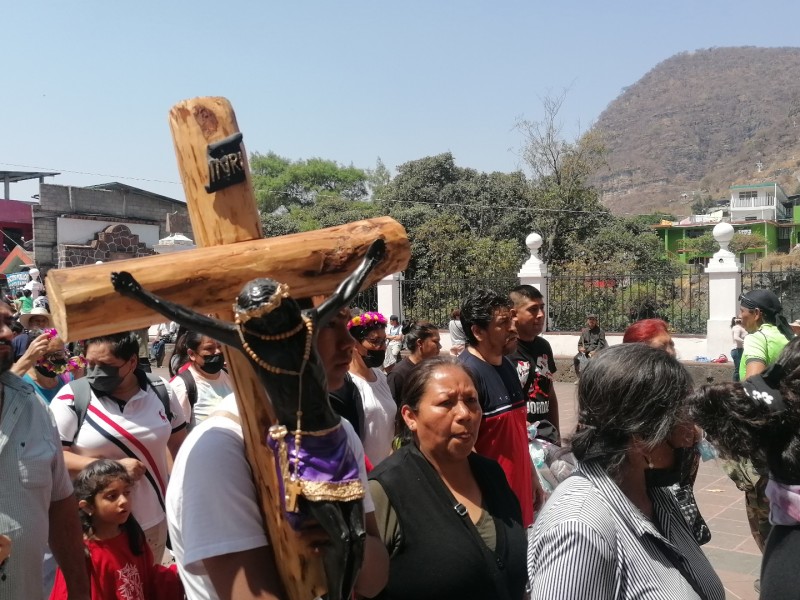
724 287
389 296
534 271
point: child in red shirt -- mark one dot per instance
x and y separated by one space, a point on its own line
119 561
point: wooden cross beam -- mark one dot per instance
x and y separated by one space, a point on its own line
227 227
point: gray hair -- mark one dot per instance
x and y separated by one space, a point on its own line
625 391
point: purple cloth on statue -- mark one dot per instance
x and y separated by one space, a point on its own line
324 458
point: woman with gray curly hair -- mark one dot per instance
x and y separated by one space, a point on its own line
613 530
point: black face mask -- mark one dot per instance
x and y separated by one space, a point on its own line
682 459
45 372
375 358
103 378
213 364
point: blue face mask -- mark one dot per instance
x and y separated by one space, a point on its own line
103 378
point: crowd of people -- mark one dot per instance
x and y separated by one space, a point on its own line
443 447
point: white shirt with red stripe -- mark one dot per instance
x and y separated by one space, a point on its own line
137 429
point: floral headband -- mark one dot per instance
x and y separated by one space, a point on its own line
73 363
366 319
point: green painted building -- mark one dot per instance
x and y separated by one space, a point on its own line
760 210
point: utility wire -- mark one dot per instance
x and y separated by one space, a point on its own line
12 240
87 173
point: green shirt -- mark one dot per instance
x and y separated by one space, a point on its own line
764 345
26 304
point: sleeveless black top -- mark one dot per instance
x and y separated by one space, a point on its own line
441 554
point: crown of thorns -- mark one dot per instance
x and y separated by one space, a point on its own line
244 315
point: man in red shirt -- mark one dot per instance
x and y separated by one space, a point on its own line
490 331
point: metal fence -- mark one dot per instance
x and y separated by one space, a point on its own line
434 300
367 300
681 299
784 283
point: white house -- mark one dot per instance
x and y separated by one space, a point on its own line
758 202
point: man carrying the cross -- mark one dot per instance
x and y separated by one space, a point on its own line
226 554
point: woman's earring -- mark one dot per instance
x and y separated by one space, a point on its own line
650 464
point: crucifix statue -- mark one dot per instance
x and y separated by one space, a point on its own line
334 262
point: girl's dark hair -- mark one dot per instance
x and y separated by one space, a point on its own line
192 340
418 382
743 428
92 480
417 332
625 391
179 356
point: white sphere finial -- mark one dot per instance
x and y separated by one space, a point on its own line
533 242
534 265
723 233
723 259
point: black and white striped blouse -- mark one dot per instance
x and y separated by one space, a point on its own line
591 543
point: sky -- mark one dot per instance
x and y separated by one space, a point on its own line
87 86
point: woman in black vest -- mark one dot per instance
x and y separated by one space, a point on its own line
448 517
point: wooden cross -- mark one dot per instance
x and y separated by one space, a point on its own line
222 207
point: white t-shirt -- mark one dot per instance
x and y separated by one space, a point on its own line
213 519
210 393
380 410
136 429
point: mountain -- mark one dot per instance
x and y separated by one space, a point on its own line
698 123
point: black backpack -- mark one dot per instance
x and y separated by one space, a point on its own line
82 397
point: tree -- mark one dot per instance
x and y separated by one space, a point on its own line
279 181
325 212
568 210
741 242
624 245
704 244
487 201
378 178
702 204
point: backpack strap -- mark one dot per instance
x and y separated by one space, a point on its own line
160 388
191 386
82 396
346 402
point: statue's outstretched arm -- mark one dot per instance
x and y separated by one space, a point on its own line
223 332
348 289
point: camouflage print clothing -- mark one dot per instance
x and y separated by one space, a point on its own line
754 486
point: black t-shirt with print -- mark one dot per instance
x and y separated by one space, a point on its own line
535 367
